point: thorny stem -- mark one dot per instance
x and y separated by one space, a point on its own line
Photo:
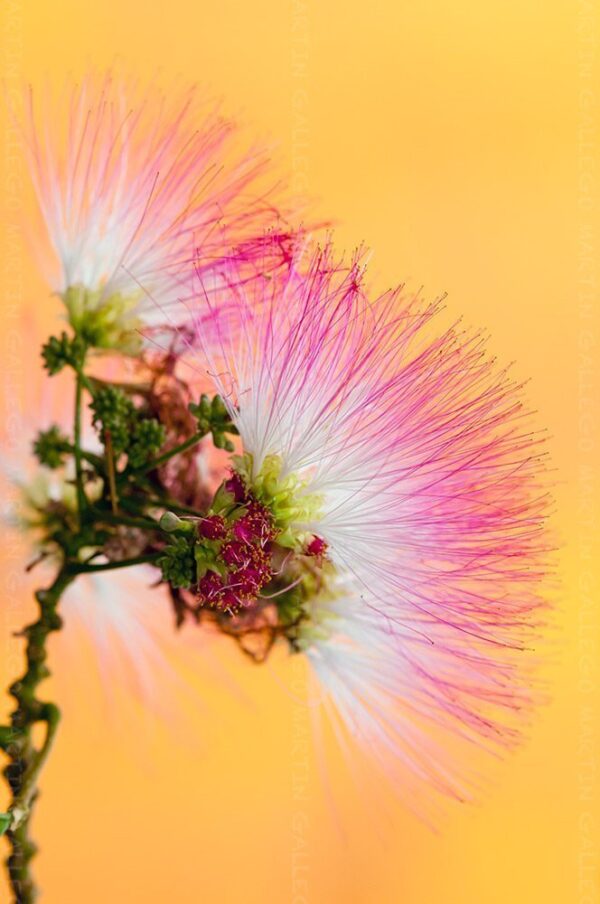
25 759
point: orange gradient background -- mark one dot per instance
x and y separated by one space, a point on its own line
460 141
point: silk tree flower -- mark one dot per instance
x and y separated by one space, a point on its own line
129 187
402 461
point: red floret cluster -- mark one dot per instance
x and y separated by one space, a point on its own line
244 556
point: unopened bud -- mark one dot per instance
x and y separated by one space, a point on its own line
170 522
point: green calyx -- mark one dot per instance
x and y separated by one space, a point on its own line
104 323
172 523
291 506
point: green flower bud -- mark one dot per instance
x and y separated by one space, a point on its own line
149 436
62 351
213 417
170 523
178 564
113 412
50 447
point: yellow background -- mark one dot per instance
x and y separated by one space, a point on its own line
457 139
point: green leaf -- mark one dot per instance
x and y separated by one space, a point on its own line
5 821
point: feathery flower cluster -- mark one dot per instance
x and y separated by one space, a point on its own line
130 189
407 462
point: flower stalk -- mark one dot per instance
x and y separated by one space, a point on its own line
81 499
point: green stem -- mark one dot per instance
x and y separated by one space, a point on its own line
125 520
25 759
81 500
157 502
177 450
95 460
111 566
110 467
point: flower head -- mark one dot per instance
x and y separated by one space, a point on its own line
130 186
403 461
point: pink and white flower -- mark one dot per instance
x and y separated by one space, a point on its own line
130 187
411 457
